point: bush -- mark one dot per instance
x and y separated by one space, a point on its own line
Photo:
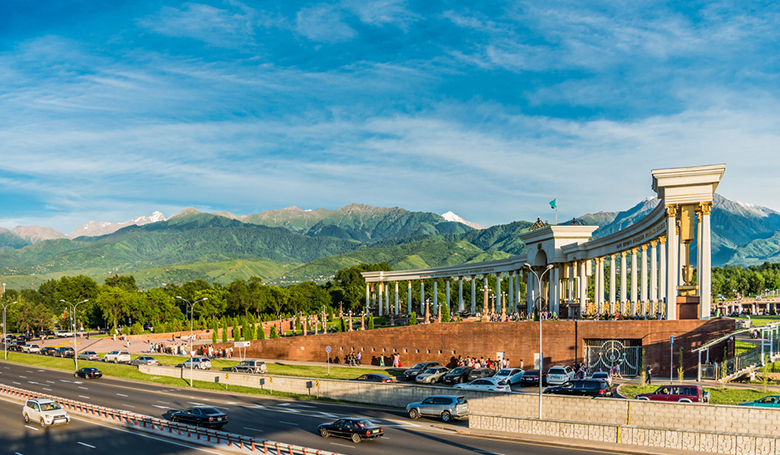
342 325
224 330
260 332
445 313
413 318
214 331
370 321
137 329
274 334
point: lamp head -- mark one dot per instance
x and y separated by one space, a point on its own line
527 265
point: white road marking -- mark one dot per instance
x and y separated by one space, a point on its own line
220 407
47 389
341 445
122 395
487 453
330 416
260 406
164 402
161 407
7 368
82 396
129 406
31 371
32 428
64 380
288 423
196 404
83 388
17 383
51 382
231 402
86 445
41 371
253 429
23 377
296 405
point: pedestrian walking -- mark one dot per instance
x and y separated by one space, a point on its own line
649 372
617 371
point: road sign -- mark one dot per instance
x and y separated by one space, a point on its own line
672 339
327 349
242 344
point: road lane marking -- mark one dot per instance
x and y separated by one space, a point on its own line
253 429
161 407
122 395
487 453
30 371
288 423
47 389
83 388
82 396
17 383
86 445
129 406
196 404
260 406
220 407
341 445
41 371
23 377
164 402
32 428
51 382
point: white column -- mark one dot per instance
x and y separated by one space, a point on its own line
571 268
705 245
583 279
447 302
634 281
368 296
408 297
461 304
529 292
672 256
396 298
653 275
380 299
517 291
643 269
435 307
662 273
554 290
422 297
623 282
473 294
611 284
602 285
511 293
387 297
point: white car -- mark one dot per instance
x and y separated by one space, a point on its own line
31 348
63 333
431 375
45 412
510 375
117 357
559 375
201 363
604 375
485 385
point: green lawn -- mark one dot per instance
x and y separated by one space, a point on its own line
717 396
761 320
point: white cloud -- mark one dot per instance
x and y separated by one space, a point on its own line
323 23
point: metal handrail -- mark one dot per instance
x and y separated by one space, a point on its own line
131 418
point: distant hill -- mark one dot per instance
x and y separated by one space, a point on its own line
35 234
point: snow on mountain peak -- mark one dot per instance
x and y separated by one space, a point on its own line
449 216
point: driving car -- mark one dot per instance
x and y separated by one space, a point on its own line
117 357
355 429
145 360
250 366
88 355
530 378
769 401
48 350
88 373
201 416
485 385
582 387
374 378
431 375
65 351
420 368
31 348
510 375
456 375
202 363
602 375
63 333
559 374
677 393
446 407
45 412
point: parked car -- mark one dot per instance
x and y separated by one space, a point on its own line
677 393
201 363
419 368
89 355
531 378
48 350
485 385
446 407
769 401
144 360
201 416
374 378
602 375
31 348
117 357
559 374
45 412
510 375
456 375
88 373
65 351
477 373
582 387
354 429
431 375
250 366
63 333
17 345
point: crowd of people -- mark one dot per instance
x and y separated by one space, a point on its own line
482 362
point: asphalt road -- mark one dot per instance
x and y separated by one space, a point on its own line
283 420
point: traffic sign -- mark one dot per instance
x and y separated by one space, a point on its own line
672 339
242 344
327 349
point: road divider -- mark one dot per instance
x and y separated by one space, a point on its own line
172 429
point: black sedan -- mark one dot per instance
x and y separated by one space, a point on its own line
374 378
530 378
457 375
582 387
201 416
354 429
88 373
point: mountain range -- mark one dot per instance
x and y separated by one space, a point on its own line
291 244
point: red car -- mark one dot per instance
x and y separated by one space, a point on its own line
677 393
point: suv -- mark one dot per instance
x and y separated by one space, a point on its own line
678 393
88 355
559 374
201 363
46 412
447 407
411 373
117 357
582 387
250 366
65 351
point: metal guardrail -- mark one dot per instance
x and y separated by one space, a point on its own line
153 423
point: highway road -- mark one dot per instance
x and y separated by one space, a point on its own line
285 420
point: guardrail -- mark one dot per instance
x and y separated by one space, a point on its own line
173 428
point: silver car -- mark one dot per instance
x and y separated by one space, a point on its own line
88 355
45 412
559 375
201 363
446 407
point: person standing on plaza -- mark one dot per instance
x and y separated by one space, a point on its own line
649 372
617 371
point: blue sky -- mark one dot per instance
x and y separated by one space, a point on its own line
110 110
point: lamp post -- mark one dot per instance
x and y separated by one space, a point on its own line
541 356
73 324
5 342
192 308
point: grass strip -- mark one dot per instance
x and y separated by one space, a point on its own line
717 396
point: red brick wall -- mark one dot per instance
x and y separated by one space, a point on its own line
563 342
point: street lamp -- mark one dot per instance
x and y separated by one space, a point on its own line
5 341
73 324
192 307
541 356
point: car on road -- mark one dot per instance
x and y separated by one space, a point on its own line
456 375
17 345
250 366
117 357
201 416
31 348
559 374
510 375
45 412
354 429
530 378
477 373
88 373
420 368
88 355
582 387
201 363
63 333
769 401
374 378
602 375
677 393
431 375
65 351
485 385
446 407
144 360
48 350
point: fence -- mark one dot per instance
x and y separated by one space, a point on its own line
175 429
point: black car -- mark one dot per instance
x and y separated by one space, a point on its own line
457 375
88 373
65 351
354 429
530 378
582 387
411 373
478 373
48 350
201 416
374 378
